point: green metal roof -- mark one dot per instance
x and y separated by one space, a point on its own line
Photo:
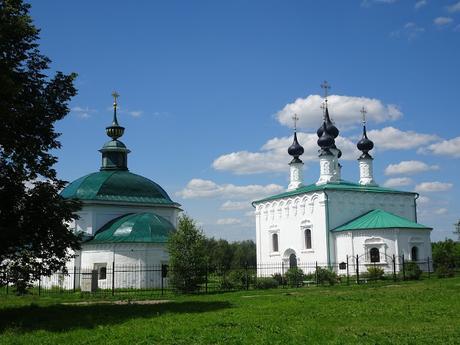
134 228
379 219
117 186
342 185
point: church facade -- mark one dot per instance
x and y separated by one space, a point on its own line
125 220
332 221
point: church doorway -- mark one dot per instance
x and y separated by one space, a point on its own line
292 261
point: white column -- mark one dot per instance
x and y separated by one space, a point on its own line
296 175
326 165
366 172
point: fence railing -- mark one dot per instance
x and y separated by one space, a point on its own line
156 279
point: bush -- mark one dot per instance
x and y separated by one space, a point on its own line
445 271
413 271
325 275
266 283
295 277
374 273
279 278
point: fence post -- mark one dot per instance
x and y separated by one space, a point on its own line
282 274
428 263
404 268
316 273
39 283
113 278
394 267
74 277
247 277
206 282
348 273
7 281
357 269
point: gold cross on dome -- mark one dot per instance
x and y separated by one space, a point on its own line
295 118
363 113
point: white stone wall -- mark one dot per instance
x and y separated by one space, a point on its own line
288 218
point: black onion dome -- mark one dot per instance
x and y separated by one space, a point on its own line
326 141
330 128
365 144
295 149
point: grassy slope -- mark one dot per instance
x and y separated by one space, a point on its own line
426 312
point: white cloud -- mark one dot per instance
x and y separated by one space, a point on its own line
198 188
420 3
412 30
228 221
135 113
398 182
441 211
235 205
441 21
449 147
423 200
454 8
433 187
83 113
409 167
273 156
344 110
390 138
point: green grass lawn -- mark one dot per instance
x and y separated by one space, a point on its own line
425 312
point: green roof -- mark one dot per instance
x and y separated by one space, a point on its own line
117 186
342 185
134 228
379 219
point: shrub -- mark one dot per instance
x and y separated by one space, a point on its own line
325 275
294 277
279 278
374 273
445 271
239 278
266 283
413 271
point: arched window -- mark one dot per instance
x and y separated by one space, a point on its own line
292 261
275 242
414 253
307 233
374 254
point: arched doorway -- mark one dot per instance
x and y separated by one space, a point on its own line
292 261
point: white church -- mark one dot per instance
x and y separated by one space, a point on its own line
332 219
125 219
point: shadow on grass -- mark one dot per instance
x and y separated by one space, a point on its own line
60 318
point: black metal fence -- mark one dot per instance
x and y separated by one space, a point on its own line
155 280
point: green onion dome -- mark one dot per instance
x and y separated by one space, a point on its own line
143 227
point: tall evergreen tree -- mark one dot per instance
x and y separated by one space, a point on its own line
34 239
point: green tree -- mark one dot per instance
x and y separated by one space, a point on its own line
446 257
187 256
244 253
34 239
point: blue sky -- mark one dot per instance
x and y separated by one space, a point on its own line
208 88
